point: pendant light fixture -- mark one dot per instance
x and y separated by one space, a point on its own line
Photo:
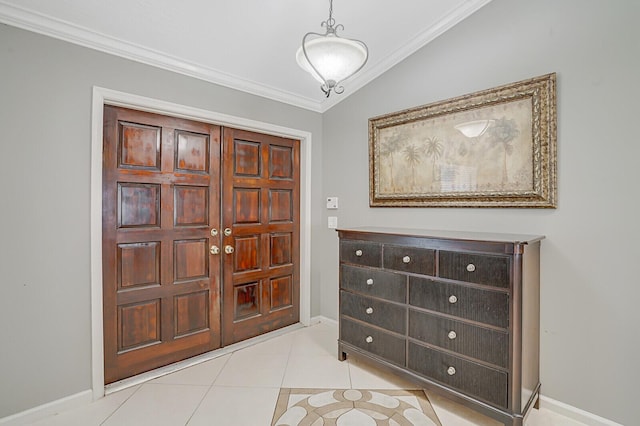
329 58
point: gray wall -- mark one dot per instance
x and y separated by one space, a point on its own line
45 139
589 293
590 290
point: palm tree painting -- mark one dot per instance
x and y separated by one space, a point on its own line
492 148
503 132
388 148
433 156
412 157
433 149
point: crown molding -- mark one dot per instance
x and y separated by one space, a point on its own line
72 33
66 31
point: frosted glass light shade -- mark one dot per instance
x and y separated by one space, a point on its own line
334 58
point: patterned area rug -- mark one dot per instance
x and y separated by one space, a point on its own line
353 407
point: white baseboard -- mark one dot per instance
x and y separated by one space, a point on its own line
322 319
574 413
48 409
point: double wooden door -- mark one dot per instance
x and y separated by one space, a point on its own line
200 238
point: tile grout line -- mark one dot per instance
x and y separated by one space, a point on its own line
284 373
120 405
208 389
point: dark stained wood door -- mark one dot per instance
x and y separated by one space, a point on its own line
261 233
161 186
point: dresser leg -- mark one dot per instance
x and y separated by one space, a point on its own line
342 355
516 421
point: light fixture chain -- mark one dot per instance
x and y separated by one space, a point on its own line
330 21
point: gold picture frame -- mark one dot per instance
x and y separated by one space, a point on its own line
493 148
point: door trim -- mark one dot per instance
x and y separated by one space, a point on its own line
102 96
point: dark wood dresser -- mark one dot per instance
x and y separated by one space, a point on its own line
456 312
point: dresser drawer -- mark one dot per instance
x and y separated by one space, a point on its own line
486 345
489 307
374 282
361 252
475 268
385 315
474 379
372 340
409 259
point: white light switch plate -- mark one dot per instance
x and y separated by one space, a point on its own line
332 222
332 203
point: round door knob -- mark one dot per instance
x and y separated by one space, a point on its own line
228 249
471 267
214 232
370 281
453 299
214 250
406 259
358 253
451 371
369 339
369 310
227 231
452 335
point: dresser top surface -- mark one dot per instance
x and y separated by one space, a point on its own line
449 235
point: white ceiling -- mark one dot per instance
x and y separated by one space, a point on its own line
248 45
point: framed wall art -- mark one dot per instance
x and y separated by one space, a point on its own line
493 148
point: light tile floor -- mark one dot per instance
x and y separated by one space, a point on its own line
242 388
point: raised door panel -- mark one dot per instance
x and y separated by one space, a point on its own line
139 146
280 205
138 205
191 313
138 325
247 254
281 292
247 206
191 205
281 249
192 152
138 264
190 260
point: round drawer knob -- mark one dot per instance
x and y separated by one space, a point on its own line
358 253
471 267
369 339
406 259
369 310
451 371
453 299
452 335
370 281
